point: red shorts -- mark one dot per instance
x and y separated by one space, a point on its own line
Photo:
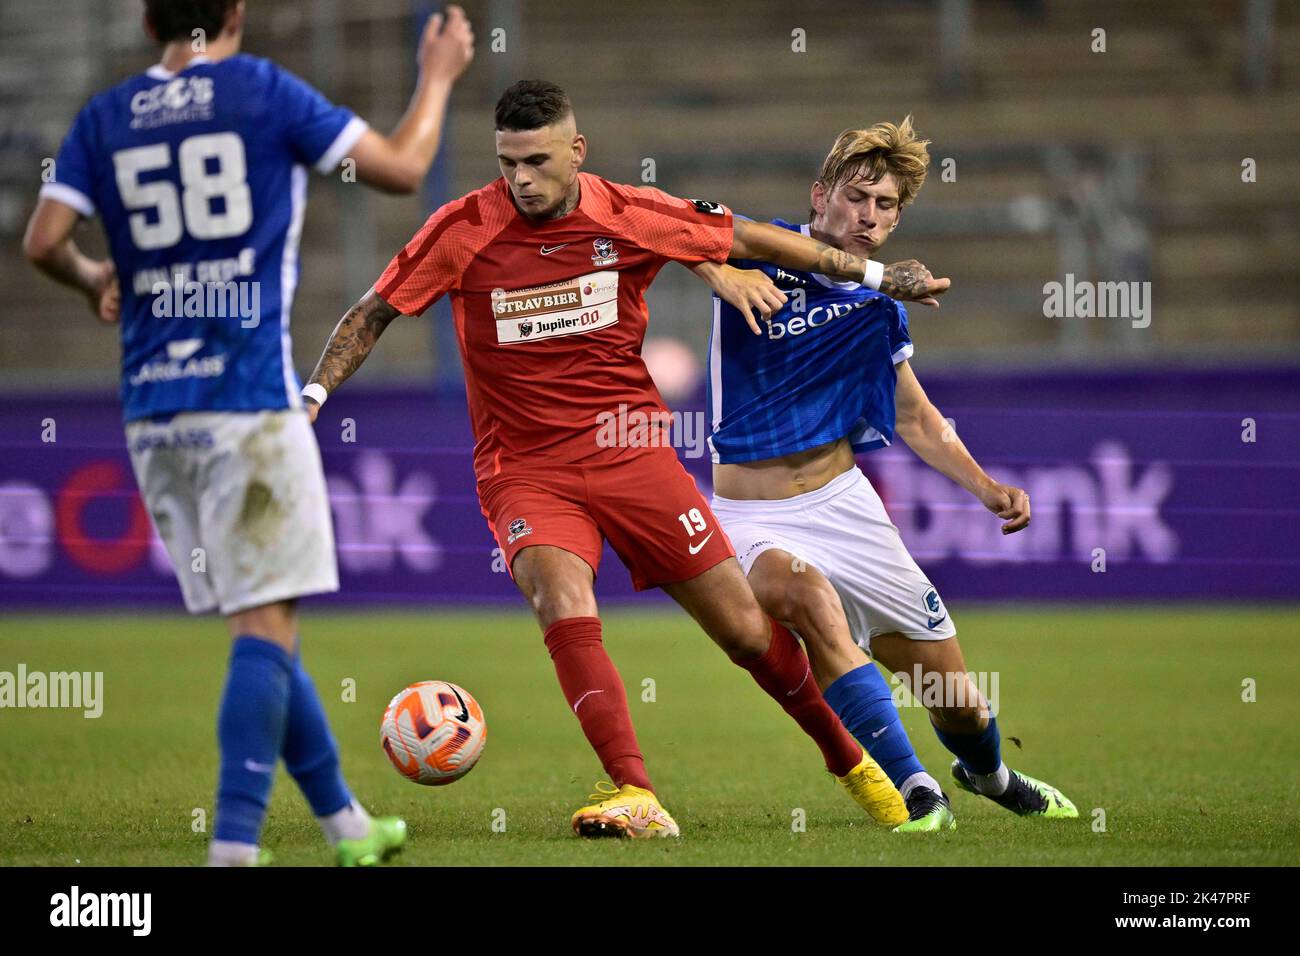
644 502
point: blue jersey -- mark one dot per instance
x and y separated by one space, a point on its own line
822 370
200 180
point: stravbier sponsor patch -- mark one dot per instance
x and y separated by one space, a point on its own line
571 307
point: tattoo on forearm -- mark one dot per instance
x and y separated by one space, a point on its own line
908 280
352 340
837 263
758 240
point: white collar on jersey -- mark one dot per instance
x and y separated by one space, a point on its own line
160 72
806 229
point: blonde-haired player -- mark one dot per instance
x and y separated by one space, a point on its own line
790 408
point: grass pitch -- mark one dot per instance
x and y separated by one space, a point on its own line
1137 713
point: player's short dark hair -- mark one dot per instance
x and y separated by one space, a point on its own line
532 104
178 19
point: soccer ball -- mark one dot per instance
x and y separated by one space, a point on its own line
433 732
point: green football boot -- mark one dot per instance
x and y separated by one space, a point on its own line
1024 796
927 812
387 835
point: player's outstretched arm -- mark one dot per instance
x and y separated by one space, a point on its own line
748 290
348 346
920 424
399 162
48 245
908 280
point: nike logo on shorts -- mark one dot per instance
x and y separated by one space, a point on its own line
695 548
931 623
256 767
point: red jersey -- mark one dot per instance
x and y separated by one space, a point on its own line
550 315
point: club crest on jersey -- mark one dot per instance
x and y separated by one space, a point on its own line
518 529
605 254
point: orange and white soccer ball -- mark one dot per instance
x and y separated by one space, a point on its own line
433 732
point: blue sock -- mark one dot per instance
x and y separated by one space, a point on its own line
978 753
309 749
862 701
250 731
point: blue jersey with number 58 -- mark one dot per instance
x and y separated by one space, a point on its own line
200 180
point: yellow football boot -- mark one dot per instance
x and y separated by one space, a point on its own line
875 793
625 811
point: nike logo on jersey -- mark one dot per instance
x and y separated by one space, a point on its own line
695 548
547 250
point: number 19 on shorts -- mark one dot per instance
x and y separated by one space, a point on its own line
693 521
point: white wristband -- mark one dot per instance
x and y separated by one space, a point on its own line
316 392
874 274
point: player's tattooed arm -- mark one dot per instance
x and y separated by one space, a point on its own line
909 280
747 290
350 343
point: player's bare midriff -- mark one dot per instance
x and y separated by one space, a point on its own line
785 477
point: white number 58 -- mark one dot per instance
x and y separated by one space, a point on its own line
228 181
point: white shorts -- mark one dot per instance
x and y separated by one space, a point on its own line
239 500
843 531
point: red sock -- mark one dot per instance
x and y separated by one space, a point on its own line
786 675
596 695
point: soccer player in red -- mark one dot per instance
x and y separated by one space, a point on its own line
546 267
